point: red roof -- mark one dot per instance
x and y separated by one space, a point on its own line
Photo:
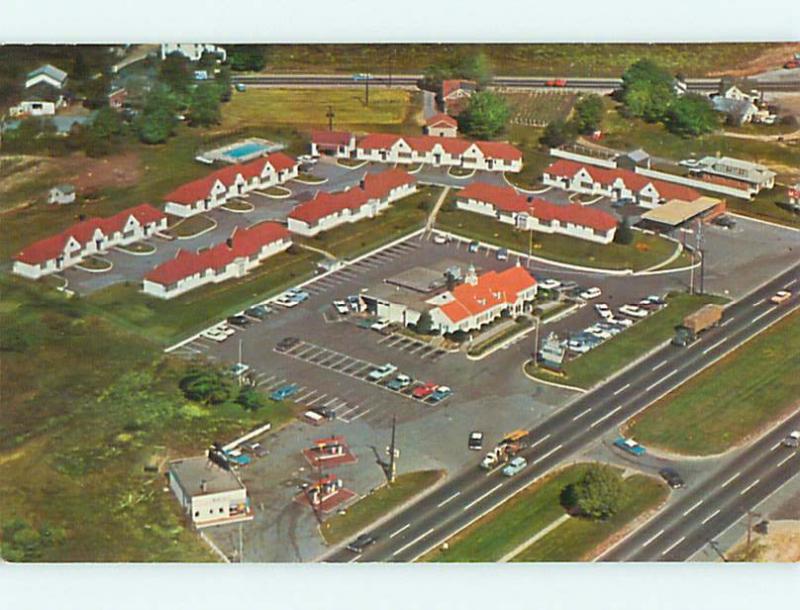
441 119
452 85
503 198
737 184
453 146
331 138
499 150
245 243
281 161
492 289
380 185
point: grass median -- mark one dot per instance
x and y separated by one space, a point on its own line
519 326
731 400
632 343
372 507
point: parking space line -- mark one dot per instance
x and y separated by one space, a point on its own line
275 384
331 401
362 414
265 381
316 400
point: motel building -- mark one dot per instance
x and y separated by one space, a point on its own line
96 235
209 494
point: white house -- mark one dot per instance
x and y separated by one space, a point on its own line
229 182
441 125
208 494
192 51
47 74
61 193
245 250
92 236
754 174
455 93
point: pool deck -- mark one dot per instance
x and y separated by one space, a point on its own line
241 151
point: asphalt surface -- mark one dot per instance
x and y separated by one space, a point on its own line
442 513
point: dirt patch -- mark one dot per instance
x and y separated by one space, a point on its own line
94 174
771 59
781 544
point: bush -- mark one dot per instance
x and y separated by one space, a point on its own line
588 113
209 386
597 495
485 116
557 133
624 234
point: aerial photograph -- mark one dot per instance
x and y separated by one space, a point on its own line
399 302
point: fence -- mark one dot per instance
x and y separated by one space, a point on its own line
574 156
694 183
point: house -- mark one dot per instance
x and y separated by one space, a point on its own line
455 93
61 193
229 182
633 159
44 93
731 91
88 237
441 125
117 98
737 111
374 194
615 183
208 493
504 204
335 143
757 176
192 51
243 251
47 74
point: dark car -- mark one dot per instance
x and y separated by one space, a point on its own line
475 440
239 320
258 311
620 203
325 412
725 221
287 344
672 478
359 544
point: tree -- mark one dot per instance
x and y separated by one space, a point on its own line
647 90
624 234
476 67
80 71
597 495
209 386
424 324
204 105
157 120
557 133
485 116
103 135
223 82
588 113
433 75
691 115
251 399
246 57
174 72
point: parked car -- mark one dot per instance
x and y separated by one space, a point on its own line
634 311
578 346
325 412
793 440
258 311
515 466
241 87
298 295
285 391
215 334
780 297
306 159
549 284
239 320
591 293
341 307
239 369
630 445
440 238
382 372
440 393
424 390
223 327
473 246
475 440
285 301
399 383
287 343
688 163
621 322
502 254
354 302
362 542
380 325
569 285
671 476
257 449
238 458
725 221
648 305
622 202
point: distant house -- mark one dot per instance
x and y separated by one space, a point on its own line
117 98
192 51
737 111
441 125
633 159
46 74
455 93
61 193
754 174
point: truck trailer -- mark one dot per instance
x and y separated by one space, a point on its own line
695 323
512 443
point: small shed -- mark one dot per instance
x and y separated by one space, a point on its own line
633 159
61 194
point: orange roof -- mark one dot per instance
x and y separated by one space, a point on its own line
451 85
441 119
491 290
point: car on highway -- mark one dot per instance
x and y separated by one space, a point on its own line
502 254
475 440
633 311
440 393
259 312
399 383
341 307
473 246
285 391
630 445
382 372
423 391
793 440
555 82
549 284
215 334
780 297
287 343
672 478
362 542
380 325
239 320
515 466
590 293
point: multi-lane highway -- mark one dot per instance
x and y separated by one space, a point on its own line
471 494
706 85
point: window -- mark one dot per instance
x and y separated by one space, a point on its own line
197 513
221 510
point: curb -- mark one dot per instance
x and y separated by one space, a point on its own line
563 386
227 209
513 338
457 177
285 195
522 190
203 232
359 166
322 181
88 270
765 222
120 249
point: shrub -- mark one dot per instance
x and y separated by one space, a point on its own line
597 495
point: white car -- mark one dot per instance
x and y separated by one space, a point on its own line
285 301
793 440
306 159
341 307
549 284
439 238
223 327
380 325
633 311
624 322
214 334
382 372
579 347
601 333
688 163
591 293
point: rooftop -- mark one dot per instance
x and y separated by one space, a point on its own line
675 212
194 473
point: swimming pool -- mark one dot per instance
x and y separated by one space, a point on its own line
246 150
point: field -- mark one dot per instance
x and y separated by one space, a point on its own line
519 519
730 401
612 355
538 108
368 509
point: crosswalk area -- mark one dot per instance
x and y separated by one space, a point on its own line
421 349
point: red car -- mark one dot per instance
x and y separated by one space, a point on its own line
558 82
424 390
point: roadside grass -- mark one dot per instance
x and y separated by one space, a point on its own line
645 251
370 508
731 400
402 217
519 326
578 539
85 406
167 321
632 343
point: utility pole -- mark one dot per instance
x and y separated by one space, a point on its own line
241 545
536 343
530 247
366 89
750 515
702 257
393 452
330 114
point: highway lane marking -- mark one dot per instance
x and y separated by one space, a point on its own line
659 365
488 493
676 543
725 484
412 543
792 283
401 530
761 315
606 416
581 414
354 559
622 389
776 445
453 497
540 441
653 538
784 460
759 302
726 322
717 344
711 516
692 508
662 380
749 487
547 455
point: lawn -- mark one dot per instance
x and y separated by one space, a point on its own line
730 401
538 108
370 508
646 250
191 226
402 217
632 343
167 321
578 539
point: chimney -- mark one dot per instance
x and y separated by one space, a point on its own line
472 277
203 486
229 242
